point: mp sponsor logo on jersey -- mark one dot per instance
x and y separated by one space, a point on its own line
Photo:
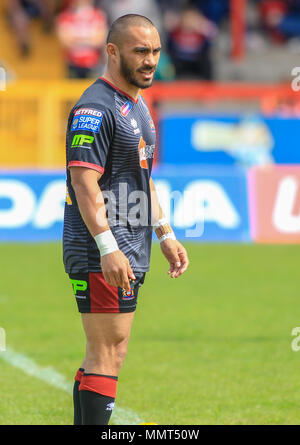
87 119
80 141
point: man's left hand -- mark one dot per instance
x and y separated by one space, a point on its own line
177 256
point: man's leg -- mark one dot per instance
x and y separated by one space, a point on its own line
107 315
107 336
76 400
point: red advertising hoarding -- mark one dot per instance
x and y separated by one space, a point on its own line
274 204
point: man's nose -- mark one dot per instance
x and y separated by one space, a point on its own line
150 60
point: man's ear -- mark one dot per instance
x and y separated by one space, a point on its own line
112 50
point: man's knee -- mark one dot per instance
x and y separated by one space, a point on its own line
109 355
120 353
107 338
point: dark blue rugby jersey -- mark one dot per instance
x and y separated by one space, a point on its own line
110 132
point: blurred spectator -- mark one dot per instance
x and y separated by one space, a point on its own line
281 18
189 45
272 12
20 12
214 10
289 26
82 30
165 70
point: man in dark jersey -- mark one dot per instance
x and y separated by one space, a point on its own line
111 209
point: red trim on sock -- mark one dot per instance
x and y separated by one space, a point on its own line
105 386
78 375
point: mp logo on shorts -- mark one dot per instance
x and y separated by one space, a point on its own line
87 119
79 285
80 139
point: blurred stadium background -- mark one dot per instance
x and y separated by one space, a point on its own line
213 347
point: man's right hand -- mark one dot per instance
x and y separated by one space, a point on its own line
116 270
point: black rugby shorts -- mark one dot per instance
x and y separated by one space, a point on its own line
94 295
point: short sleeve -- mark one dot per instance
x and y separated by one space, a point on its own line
89 136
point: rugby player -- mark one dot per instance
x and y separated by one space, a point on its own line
111 209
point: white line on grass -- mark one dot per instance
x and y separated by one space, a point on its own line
50 376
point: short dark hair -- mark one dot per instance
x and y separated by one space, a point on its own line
121 24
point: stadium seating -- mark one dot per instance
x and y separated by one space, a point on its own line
46 59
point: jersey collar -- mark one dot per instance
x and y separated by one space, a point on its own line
120 91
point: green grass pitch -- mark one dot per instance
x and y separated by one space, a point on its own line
211 347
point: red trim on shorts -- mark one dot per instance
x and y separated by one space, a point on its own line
96 167
103 297
78 375
118 89
106 386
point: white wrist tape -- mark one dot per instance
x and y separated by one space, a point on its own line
106 242
160 222
170 235
163 230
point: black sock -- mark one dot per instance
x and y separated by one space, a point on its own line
96 408
76 399
97 396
